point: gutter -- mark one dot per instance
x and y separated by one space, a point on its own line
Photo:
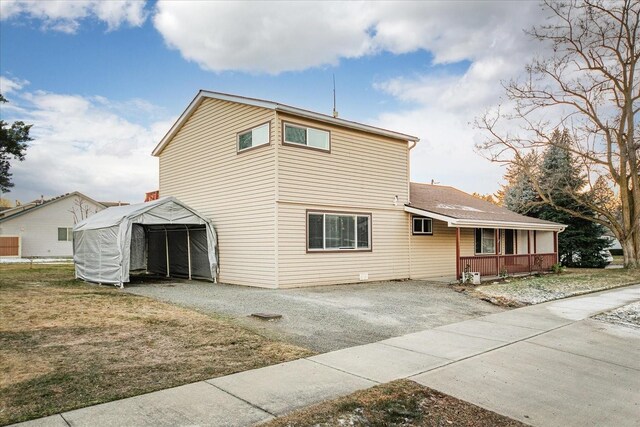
480 223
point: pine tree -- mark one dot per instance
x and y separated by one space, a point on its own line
581 244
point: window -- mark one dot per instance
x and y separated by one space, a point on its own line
253 137
333 231
422 225
485 241
65 234
306 136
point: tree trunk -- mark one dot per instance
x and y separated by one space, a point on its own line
630 253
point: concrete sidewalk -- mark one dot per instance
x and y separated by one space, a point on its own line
544 365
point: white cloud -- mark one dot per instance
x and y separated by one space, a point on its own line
84 144
444 106
8 85
282 36
66 15
264 36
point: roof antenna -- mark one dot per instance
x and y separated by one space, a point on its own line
335 112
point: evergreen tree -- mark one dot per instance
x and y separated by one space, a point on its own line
581 244
13 143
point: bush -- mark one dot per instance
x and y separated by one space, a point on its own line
557 268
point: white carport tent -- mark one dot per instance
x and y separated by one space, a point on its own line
164 237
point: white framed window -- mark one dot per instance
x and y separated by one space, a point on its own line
485 241
422 225
253 137
336 231
65 234
306 137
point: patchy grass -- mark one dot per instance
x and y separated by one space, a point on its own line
398 403
627 315
537 289
65 344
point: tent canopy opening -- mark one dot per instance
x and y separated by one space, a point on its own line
163 237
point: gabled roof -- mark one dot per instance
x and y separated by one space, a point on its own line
37 204
271 105
460 209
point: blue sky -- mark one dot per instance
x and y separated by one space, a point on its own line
94 76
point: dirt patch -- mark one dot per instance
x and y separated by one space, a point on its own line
518 292
627 315
399 403
65 344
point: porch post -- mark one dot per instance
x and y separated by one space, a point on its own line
529 248
535 241
515 245
458 276
496 233
555 246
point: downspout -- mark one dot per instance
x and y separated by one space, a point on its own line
411 147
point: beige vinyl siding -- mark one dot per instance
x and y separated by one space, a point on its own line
361 174
434 256
201 167
467 242
361 169
388 259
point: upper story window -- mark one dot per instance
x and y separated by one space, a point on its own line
306 136
422 225
253 137
338 231
65 234
485 241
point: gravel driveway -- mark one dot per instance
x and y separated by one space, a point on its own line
329 317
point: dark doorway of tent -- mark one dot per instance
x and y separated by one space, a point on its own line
178 251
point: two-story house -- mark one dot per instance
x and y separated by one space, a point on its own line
300 198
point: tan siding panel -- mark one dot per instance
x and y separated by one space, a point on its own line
388 259
361 170
434 256
201 167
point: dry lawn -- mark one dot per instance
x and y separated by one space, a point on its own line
399 403
548 287
65 344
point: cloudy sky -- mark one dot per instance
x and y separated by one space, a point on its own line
103 81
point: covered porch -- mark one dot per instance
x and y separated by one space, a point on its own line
506 255
510 244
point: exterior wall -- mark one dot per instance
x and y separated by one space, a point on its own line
434 256
544 242
38 228
467 242
202 168
523 247
362 173
388 259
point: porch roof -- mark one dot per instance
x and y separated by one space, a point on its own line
460 209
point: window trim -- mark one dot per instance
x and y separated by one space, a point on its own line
333 251
422 218
475 240
244 150
69 234
300 125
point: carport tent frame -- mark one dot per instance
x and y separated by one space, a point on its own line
115 241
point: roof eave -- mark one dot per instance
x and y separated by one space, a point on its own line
197 100
480 223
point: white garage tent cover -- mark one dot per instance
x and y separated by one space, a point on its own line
163 236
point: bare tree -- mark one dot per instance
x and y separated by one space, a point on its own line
590 84
81 210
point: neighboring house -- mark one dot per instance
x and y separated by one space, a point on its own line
44 227
300 198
